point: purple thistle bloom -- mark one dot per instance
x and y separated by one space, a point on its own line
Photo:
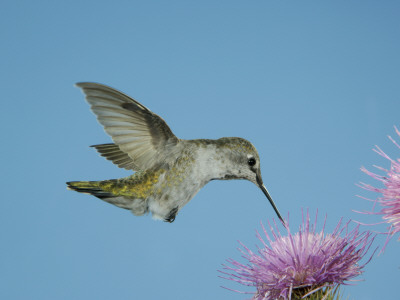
390 199
302 263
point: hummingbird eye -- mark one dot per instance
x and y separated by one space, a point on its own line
251 161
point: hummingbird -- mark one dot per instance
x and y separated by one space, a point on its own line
168 171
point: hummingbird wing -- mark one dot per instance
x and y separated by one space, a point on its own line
117 156
138 132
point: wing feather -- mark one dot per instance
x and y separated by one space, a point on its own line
118 157
142 139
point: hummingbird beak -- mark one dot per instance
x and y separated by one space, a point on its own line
265 191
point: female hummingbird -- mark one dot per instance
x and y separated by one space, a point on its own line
168 171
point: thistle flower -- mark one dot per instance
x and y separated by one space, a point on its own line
390 199
304 264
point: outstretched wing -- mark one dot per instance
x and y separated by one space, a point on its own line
141 134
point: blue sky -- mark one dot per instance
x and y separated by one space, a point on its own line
314 85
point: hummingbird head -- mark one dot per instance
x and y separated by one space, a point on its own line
244 163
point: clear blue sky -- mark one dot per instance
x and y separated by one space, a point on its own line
313 84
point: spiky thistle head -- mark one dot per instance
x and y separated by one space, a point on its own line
303 263
390 193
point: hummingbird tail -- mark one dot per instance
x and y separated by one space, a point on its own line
89 187
138 206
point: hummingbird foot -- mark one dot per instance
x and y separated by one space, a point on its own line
171 216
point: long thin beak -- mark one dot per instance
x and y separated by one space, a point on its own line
265 191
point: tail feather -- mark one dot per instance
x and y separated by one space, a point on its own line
93 188
89 187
